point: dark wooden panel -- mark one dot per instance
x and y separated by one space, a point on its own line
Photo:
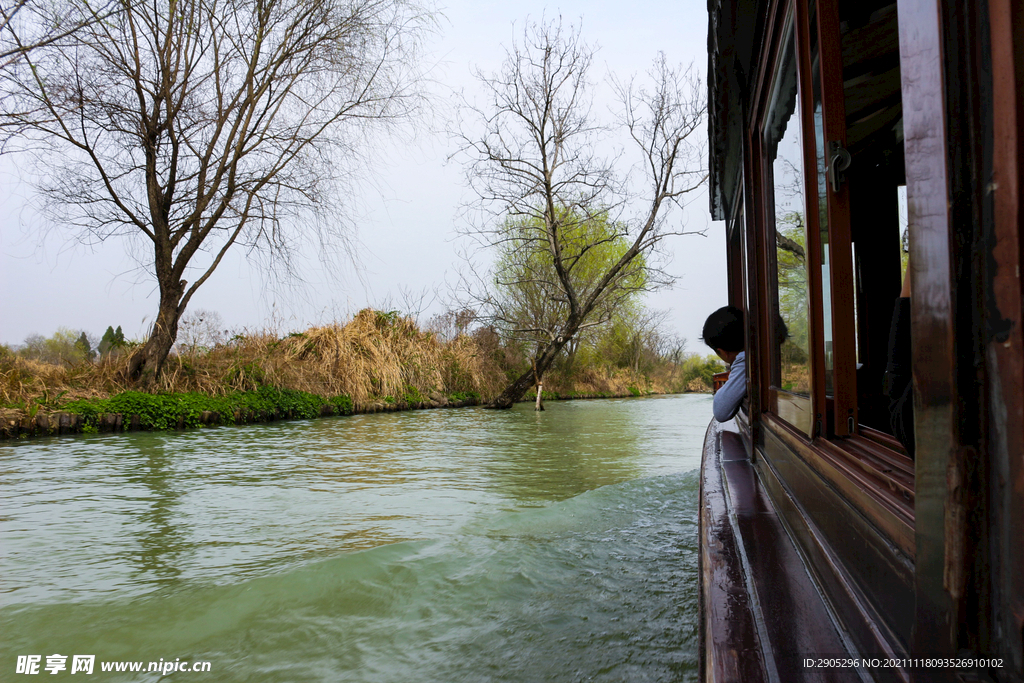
762 612
1005 346
841 280
868 94
731 650
886 509
872 47
797 623
866 630
922 45
882 573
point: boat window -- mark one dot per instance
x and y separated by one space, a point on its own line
832 145
874 139
821 160
901 205
783 145
831 168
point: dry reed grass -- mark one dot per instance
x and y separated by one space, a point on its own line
372 356
375 354
600 380
25 379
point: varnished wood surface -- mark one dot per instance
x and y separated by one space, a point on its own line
864 626
922 42
731 650
762 616
953 518
880 572
1005 349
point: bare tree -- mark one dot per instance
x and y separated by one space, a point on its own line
542 186
634 338
452 323
671 347
200 329
192 127
29 24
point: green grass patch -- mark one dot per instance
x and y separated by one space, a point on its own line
412 395
167 411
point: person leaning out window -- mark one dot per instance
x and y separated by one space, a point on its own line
724 332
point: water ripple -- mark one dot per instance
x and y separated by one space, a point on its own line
433 545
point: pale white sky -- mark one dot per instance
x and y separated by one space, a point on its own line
408 213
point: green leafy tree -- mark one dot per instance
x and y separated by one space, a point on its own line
548 199
64 346
792 274
699 371
633 338
528 302
112 341
790 240
85 348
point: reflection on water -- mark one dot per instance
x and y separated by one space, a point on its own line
431 545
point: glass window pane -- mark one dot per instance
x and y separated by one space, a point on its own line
783 145
901 207
822 175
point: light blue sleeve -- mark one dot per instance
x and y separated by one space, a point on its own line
730 396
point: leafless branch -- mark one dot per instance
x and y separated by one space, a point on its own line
203 126
552 209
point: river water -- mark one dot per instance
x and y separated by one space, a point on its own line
443 545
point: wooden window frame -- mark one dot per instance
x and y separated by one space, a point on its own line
869 461
840 241
806 414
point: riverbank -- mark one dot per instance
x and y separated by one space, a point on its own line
178 412
376 362
135 411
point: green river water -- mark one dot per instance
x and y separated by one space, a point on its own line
443 545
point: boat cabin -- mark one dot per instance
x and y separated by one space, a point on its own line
856 145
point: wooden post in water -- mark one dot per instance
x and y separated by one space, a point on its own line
540 387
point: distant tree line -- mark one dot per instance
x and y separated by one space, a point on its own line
72 347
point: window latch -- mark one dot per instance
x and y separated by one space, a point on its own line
838 161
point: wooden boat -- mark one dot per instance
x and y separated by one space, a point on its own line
828 553
718 380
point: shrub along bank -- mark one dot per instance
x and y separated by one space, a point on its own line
183 411
376 362
134 410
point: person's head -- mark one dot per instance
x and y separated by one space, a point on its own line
724 331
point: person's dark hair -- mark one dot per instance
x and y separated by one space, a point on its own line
724 329
781 331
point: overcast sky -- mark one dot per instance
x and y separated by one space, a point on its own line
408 211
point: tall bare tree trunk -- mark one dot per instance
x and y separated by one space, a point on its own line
565 260
202 126
146 364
